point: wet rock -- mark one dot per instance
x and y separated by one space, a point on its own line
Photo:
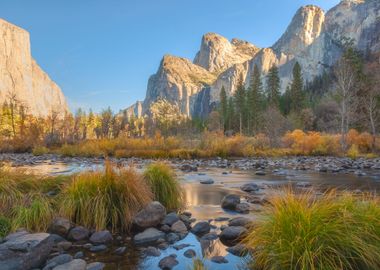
98 248
179 227
232 233
101 237
60 226
230 201
152 252
78 233
260 173
181 246
79 255
165 228
168 262
58 260
152 215
188 168
250 187
64 245
239 221
237 250
190 253
95 266
210 236
219 219
77 264
149 236
172 238
242 208
170 219
201 228
207 182
25 251
163 246
120 250
219 259
187 213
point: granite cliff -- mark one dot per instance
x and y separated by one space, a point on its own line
23 77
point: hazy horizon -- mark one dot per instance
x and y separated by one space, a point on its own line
102 53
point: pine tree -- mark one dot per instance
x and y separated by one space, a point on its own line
254 100
273 87
240 104
285 102
230 114
223 107
296 89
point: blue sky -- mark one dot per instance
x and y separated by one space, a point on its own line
102 52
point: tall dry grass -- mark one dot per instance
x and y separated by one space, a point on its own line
105 199
308 232
165 186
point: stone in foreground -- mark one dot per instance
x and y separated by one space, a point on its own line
26 251
149 236
152 215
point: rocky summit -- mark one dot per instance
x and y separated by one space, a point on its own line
23 78
313 38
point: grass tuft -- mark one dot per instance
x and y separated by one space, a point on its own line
5 226
165 187
105 199
308 232
35 214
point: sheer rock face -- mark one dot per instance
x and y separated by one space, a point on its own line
20 74
313 38
217 53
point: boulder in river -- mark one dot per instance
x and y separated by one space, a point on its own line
230 201
101 237
170 219
250 187
232 233
239 221
76 264
60 226
149 236
152 215
201 228
168 262
78 233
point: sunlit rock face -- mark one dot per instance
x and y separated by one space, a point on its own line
217 53
20 74
313 38
176 80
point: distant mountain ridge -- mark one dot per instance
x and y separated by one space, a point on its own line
312 38
22 77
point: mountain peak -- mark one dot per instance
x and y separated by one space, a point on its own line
305 27
217 53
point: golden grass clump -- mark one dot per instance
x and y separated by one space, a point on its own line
308 232
105 199
166 189
34 214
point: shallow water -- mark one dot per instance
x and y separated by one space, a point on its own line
203 201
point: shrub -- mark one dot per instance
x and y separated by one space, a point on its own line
40 150
102 199
34 214
306 232
353 152
5 226
165 187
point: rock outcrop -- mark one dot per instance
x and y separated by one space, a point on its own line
313 38
22 76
